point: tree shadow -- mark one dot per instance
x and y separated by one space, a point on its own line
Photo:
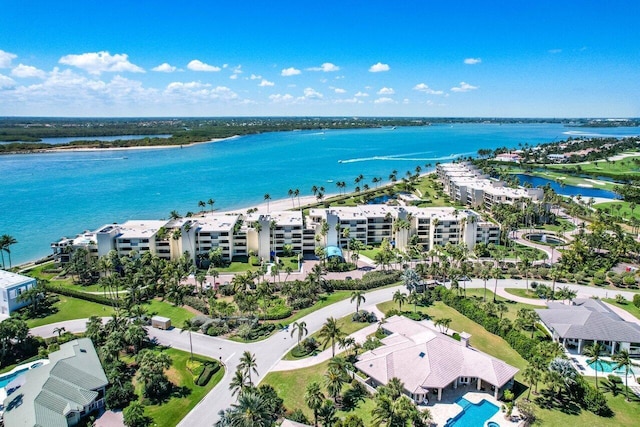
548 399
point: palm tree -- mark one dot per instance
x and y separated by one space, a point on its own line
532 375
485 274
411 279
301 328
189 326
267 197
593 352
252 410
334 380
59 331
238 383
202 204
358 297
211 202
5 245
248 364
399 298
623 360
496 273
330 333
314 397
502 309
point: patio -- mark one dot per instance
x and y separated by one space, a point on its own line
447 408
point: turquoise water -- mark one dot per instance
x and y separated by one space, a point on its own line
6 379
607 367
46 196
473 414
567 190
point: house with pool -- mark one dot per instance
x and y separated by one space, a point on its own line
429 362
11 286
586 321
59 393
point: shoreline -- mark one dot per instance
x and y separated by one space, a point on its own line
71 149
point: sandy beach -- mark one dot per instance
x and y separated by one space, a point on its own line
66 149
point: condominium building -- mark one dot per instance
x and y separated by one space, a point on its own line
269 233
466 184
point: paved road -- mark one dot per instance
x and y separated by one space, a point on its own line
269 352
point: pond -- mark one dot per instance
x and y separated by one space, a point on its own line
545 239
380 200
566 190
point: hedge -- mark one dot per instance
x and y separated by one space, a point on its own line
209 369
371 280
82 295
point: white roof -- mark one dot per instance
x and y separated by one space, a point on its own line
217 222
423 358
142 229
9 279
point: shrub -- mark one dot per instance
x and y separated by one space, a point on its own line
636 300
197 304
299 417
219 329
310 344
594 401
300 303
210 368
620 299
364 316
97 298
119 396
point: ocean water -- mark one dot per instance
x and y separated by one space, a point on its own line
46 196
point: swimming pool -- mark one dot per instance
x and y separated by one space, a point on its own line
7 378
473 414
607 367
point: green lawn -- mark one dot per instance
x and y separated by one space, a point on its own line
345 323
291 385
624 212
511 305
522 293
627 306
178 315
69 308
171 412
324 301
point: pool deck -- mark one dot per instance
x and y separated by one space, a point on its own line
3 391
447 408
581 365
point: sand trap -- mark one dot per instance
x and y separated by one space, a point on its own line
595 181
585 185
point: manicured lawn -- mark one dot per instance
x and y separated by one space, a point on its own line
324 301
624 212
626 414
628 306
238 267
522 293
291 386
345 323
72 308
171 412
178 315
511 305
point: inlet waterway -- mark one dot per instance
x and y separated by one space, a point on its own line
49 195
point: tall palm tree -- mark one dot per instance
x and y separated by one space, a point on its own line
238 383
334 379
532 375
211 202
189 326
267 197
411 279
314 397
301 328
623 360
330 333
5 245
593 352
358 297
252 410
247 364
400 298
202 204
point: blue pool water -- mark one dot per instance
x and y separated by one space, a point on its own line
607 367
473 414
6 379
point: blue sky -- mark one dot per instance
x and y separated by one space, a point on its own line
361 58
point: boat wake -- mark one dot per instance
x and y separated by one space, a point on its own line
401 157
593 134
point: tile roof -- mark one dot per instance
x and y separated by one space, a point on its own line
53 390
588 319
423 358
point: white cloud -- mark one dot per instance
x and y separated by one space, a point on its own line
98 62
197 65
164 68
27 71
406 101
194 91
464 87
422 87
386 91
255 77
233 76
384 100
6 58
361 94
327 67
337 89
290 72
6 81
310 93
554 51
265 83
348 101
278 98
237 70
472 61
379 67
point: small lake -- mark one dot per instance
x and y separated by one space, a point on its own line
66 140
566 190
